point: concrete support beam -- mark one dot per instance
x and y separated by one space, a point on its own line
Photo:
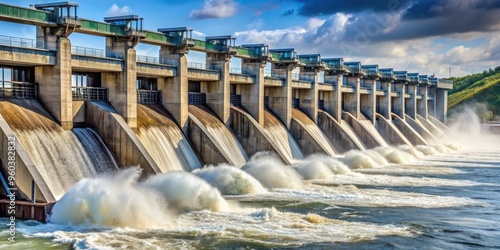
219 92
384 102
333 100
432 103
309 97
280 98
352 100
252 95
55 83
422 104
122 87
369 102
441 100
175 89
398 103
411 103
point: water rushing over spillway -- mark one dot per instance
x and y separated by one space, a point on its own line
164 140
62 157
313 130
281 137
219 134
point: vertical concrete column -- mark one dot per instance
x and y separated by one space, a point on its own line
411 104
219 92
55 83
309 97
385 100
333 99
431 101
422 107
175 89
123 90
252 96
280 98
399 102
441 100
369 102
352 100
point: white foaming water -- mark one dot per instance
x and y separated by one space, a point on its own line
320 167
426 150
364 159
185 191
111 201
266 226
394 155
411 150
271 172
349 195
230 180
390 180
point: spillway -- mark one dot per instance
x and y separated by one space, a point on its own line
307 133
164 140
282 138
205 129
436 132
339 132
390 132
365 130
61 157
411 134
421 129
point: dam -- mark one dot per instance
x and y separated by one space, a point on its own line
78 112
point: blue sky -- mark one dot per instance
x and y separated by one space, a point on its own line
426 36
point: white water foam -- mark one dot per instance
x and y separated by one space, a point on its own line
320 166
271 172
230 180
95 201
186 192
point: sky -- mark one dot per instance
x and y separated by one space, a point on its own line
425 36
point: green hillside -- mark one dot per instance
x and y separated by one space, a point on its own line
477 88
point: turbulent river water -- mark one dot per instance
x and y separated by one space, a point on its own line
437 197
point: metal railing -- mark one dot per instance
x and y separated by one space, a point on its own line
148 96
18 90
295 76
155 60
235 100
84 51
272 74
194 65
197 98
21 42
89 93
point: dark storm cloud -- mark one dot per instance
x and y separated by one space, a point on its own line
417 19
288 12
328 7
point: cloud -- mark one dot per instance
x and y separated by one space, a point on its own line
115 10
215 9
328 7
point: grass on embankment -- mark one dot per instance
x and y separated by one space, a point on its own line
482 88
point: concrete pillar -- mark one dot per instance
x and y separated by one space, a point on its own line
280 98
55 83
432 103
369 102
252 95
333 99
422 105
123 90
175 89
352 100
398 103
219 92
309 97
384 101
411 104
441 100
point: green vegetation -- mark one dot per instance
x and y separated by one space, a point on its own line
477 88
